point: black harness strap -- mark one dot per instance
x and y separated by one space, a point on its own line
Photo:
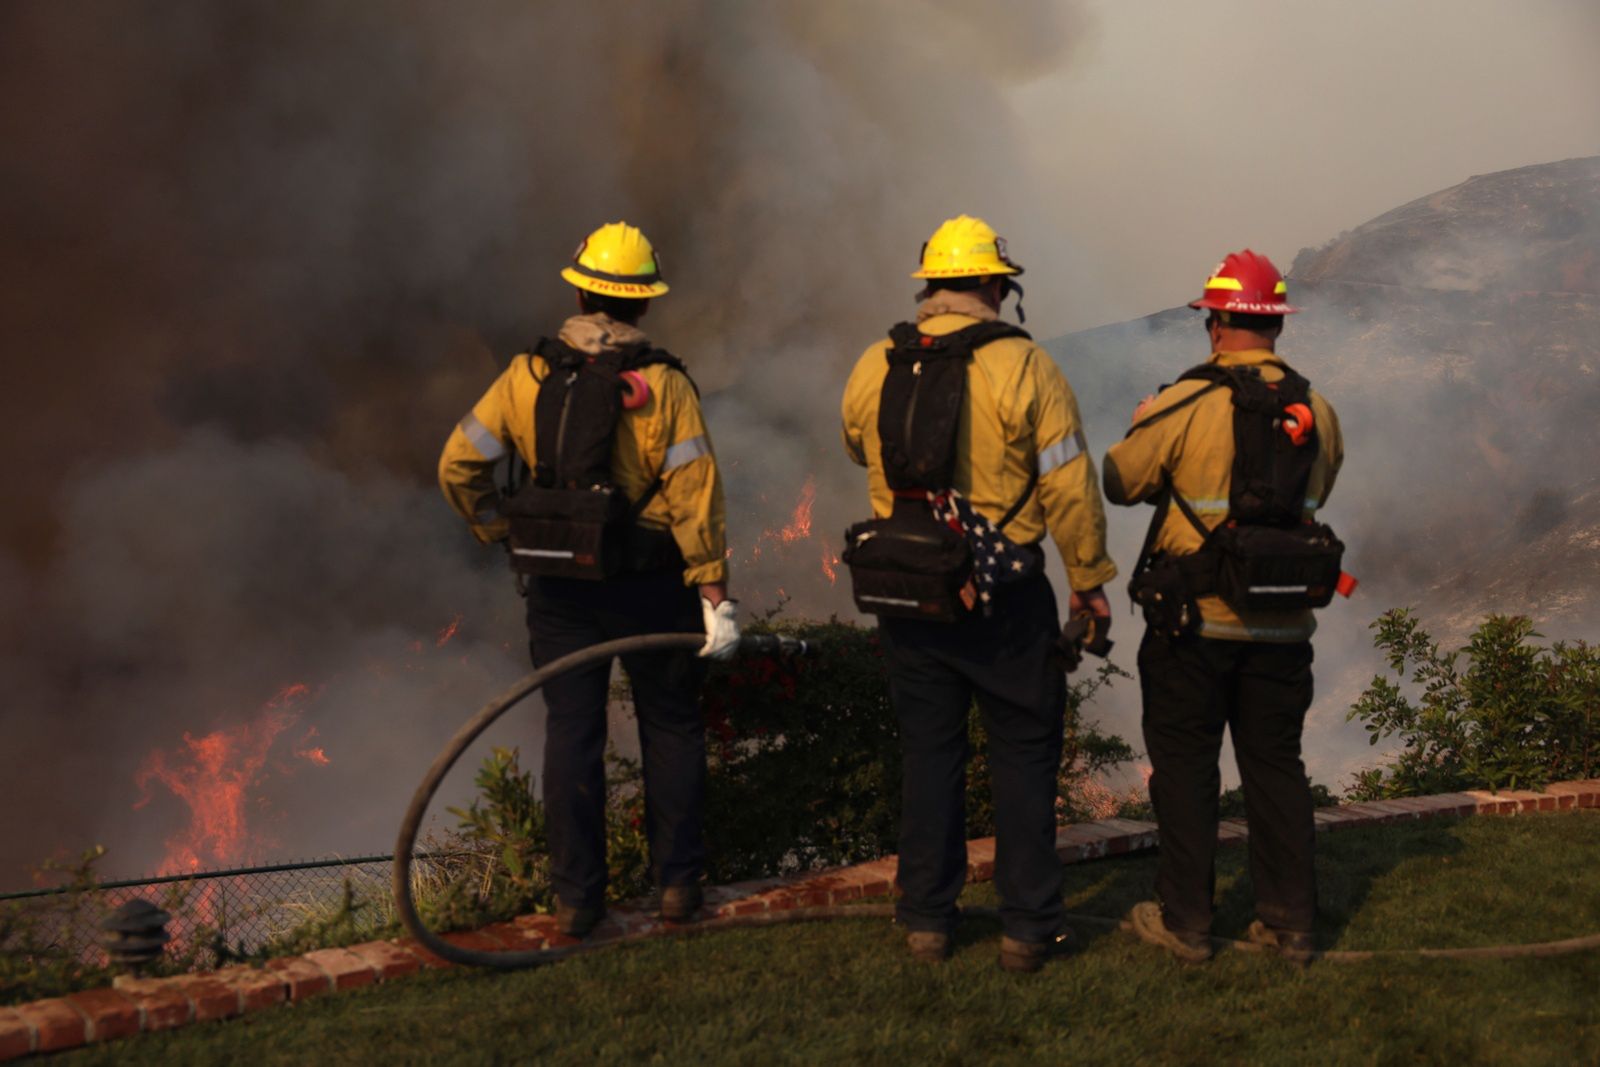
1164 497
1027 492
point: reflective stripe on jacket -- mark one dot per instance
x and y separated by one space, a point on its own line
665 437
1019 413
1194 447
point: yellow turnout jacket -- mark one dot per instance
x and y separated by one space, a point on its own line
667 437
1019 413
1193 447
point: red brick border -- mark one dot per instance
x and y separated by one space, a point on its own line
132 1005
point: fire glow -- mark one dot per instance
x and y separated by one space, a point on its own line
798 531
216 776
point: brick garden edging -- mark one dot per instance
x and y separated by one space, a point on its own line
132 1005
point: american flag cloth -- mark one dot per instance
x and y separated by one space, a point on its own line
996 559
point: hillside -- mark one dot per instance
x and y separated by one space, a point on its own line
1459 338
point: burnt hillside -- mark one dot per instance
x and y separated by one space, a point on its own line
1459 338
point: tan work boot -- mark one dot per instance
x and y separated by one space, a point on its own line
1294 947
1149 925
679 903
929 946
1027 957
577 920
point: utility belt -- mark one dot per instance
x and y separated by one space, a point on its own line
1251 568
914 565
592 534
909 566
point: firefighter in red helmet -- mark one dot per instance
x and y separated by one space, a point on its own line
1237 457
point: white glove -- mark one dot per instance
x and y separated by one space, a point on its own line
722 629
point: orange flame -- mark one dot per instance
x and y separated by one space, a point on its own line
448 632
214 775
799 527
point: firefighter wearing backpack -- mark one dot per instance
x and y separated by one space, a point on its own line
974 451
618 531
1237 456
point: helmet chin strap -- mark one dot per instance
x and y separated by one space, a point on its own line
1009 286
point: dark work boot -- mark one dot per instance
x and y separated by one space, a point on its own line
679 903
929 946
577 920
1026 957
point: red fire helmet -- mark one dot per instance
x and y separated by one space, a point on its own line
1246 282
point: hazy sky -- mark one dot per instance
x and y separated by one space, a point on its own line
1177 132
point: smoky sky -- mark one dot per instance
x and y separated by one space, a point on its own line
260 257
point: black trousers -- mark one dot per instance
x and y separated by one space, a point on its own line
1192 688
565 615
935 671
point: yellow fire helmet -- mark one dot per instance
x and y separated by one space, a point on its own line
616 260
965 247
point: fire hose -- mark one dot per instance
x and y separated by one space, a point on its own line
406 904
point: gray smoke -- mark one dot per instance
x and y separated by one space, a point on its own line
262 257
1459 339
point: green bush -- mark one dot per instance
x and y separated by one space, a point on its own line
804 756
1503 712
34 962
803 763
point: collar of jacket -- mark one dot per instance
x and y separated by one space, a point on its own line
950 302
1249 357
598 332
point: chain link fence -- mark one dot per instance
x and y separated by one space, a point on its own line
216 915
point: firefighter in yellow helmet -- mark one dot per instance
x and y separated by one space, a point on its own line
618 531
1238 455
974 452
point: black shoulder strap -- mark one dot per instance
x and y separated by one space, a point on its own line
1216 376
907 341
1162 501
1027 492
647 355
557 353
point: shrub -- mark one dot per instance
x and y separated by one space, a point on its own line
804 756
35 959
1516 715
803 763
43 950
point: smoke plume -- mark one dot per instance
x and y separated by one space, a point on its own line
263 256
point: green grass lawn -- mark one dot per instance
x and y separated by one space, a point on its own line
845 992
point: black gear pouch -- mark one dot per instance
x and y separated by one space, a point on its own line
908 568
1162 591
1269 568
569 533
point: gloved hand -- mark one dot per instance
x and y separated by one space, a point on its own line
1095 603
722 629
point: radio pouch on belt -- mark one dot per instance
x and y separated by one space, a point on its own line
1265 556
911 564
569 520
